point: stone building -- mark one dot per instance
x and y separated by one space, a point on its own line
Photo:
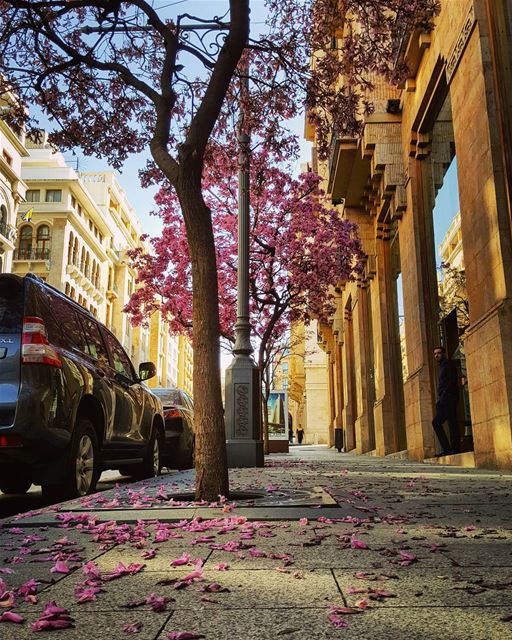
450 116
12 187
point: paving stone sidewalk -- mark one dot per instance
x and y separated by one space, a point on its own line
315 545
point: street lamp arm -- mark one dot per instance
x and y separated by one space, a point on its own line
206 116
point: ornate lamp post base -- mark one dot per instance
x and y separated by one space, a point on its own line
243 413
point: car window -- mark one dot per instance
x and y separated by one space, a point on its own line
66 326
11 305
167 396
93 340
120 361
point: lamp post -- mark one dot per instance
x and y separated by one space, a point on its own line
243 382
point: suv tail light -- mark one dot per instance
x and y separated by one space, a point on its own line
35 347
172 413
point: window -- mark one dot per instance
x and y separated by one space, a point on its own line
53 195
33 195
25 245
66 316
94 341
3 216
7 158
11 306
70 249
73 201
43 242
119 359
75 252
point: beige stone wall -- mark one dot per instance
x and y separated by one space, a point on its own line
406 157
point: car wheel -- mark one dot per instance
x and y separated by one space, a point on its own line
151 466
188 460
11 486
82 467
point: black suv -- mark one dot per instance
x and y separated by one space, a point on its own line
71 404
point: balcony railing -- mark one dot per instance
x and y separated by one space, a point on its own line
7 231
32 254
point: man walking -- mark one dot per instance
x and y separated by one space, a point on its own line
446 404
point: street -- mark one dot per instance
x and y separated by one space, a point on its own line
12 505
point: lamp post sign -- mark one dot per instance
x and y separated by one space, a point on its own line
244 441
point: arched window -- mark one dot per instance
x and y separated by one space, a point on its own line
43 242
87 266
75 252
97 279
3 214
70 248
25 245
82 260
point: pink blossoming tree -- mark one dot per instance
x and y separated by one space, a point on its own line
299 250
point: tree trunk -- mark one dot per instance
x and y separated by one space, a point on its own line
266 440
210 444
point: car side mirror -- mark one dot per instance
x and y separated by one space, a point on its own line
146 371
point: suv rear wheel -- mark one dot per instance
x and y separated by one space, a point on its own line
82 467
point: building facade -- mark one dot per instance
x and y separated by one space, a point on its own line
12 187
448 122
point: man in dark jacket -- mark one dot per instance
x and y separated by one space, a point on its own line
446 404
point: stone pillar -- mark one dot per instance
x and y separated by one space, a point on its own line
486 236
58 253
332 399
420 308
365 430
340 399
388 412
350 380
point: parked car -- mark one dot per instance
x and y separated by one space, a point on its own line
71 404
179 427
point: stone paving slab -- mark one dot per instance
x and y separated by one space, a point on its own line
253 589
91 626
418 587
478 623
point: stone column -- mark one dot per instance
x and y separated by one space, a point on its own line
350 380
486 237
389 419
365 430
420 308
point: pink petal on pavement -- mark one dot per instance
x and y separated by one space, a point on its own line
358 544
10 616
132 627
183 635
184 559
60 567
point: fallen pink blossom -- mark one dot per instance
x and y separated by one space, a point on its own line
10 616
91 570
132 627
184 559
183 635
222 566
358 544
407 558
53 617
60 567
